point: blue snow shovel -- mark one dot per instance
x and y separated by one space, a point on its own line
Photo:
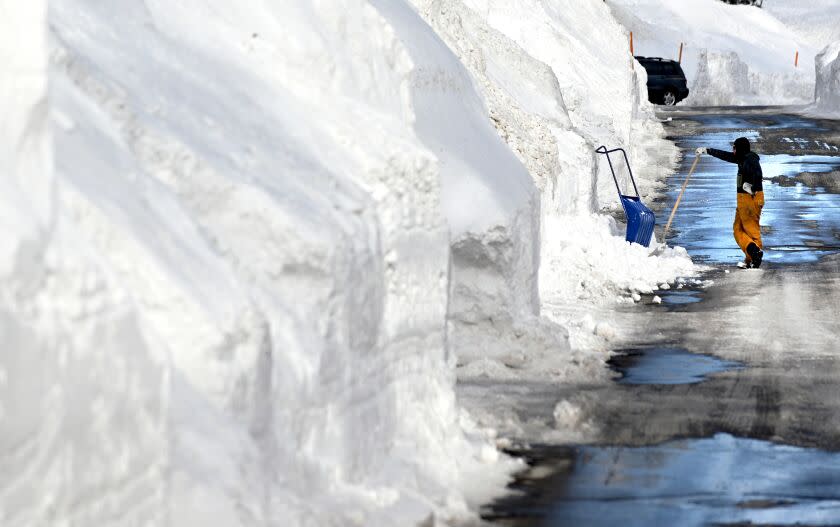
640 219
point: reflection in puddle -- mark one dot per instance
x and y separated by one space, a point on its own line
710 481
666 366
680 297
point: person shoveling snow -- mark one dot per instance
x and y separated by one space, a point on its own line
750 199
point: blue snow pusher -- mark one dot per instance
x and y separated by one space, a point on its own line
640 219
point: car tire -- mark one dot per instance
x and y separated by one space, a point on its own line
669 98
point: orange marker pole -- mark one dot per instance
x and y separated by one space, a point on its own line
632 60
796 60
679 59
631 43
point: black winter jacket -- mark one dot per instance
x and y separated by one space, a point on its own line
749 169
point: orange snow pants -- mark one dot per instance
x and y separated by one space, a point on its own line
747 214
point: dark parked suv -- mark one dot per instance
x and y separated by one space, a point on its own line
745 2
666 80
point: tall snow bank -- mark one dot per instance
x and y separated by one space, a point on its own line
227 296
713 32
524 102
724 79
529 59
502 71
559 82
603 95
827 90
27 211
232 309
489 198
84 390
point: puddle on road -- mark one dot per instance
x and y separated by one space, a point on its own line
666 366
680 297
720 480
702 453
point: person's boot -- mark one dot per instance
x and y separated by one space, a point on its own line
756 254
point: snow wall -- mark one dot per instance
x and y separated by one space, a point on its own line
827 90
534 61
723 79
246 247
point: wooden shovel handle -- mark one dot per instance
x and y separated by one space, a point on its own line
679 198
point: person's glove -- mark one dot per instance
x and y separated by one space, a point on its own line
701 150
748 188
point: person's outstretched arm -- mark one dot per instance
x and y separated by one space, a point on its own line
722 154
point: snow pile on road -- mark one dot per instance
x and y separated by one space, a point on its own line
590 261
489 198
732 54
245 247
588 267
827 91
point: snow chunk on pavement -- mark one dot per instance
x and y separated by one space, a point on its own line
587 258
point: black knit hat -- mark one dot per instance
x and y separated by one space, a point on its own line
742 146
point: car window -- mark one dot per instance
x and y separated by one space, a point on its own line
662 68
654 68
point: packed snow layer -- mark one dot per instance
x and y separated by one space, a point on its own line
84 389
489 198
713 33
827 91
27 210
524 100
481 326
604 95
232 310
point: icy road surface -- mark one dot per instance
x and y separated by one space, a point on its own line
735 421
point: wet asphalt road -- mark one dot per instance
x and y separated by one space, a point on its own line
727 411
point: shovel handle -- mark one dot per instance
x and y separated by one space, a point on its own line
679 198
